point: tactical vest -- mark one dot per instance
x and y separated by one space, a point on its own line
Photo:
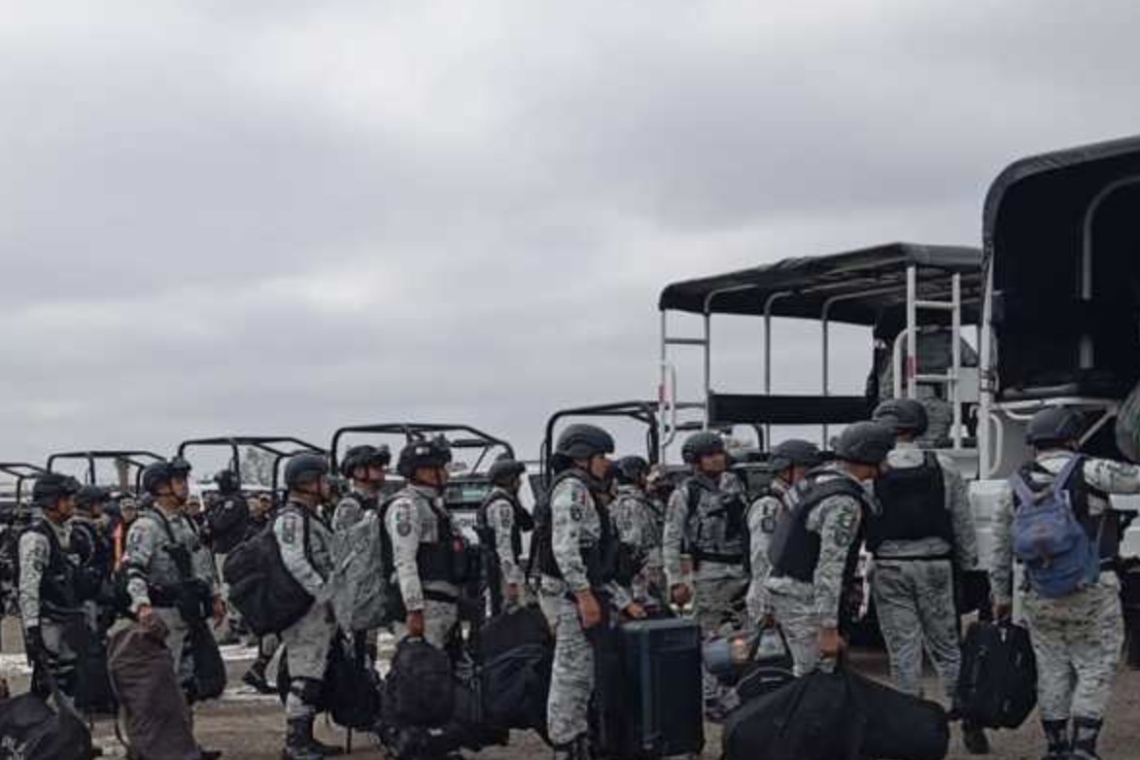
57 585
447 559
523 523
1079 493
715 529
794 550
914 505
601 559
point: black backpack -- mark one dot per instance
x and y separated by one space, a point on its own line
266 594
420 687
350 690
31 730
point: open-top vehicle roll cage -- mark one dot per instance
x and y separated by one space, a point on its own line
132 459
279 447
461 437
1062 294
884 287
21 472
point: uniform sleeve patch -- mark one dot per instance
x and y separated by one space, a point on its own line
576 512
845 529
289 530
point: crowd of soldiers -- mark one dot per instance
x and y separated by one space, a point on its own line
620 541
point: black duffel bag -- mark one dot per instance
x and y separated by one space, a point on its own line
997 686
266 594
31 730
350 691
516 652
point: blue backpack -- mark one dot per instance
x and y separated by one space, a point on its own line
1049 539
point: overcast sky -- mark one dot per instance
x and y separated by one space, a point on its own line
280 217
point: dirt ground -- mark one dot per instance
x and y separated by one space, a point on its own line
249 726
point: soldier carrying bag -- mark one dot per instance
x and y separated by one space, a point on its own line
266 594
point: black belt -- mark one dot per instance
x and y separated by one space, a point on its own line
439 596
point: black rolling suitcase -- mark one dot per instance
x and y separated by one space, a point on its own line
997 687
651 702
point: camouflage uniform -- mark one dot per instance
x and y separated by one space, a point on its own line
914 597
576 524
639 527
350 510
308 640
35 557
763 515
413 518
151 570
802 609
500 517
1077 638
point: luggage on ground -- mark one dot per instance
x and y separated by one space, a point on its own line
836 716
266 594
157 720
516 651
997 687
353 686
209 668
649 695
419 689
31 730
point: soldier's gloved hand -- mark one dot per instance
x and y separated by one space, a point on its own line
830 643
34 643
589 612
1002 611
681 594
415 624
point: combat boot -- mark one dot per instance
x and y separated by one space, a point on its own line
1086 731
255 677
1057 739
299 740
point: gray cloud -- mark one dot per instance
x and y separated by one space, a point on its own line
281 218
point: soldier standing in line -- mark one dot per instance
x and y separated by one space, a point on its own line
790 461
925 530
1076 637
815 548
501 521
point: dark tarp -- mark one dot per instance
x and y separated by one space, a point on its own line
1037 219
813 281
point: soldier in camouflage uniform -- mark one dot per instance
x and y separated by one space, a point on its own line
501 521
423 544
705 526
49 604
816 544
572 544
155 582
367 468
305 541
925 530
640 522
790 461
1077 638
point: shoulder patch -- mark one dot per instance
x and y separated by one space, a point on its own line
845 528
289 529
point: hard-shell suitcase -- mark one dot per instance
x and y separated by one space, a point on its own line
657 683
997 687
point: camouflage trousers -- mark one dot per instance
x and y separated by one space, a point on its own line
915 604
572 676
60 658
307 645
713 604
1077 640
799 621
